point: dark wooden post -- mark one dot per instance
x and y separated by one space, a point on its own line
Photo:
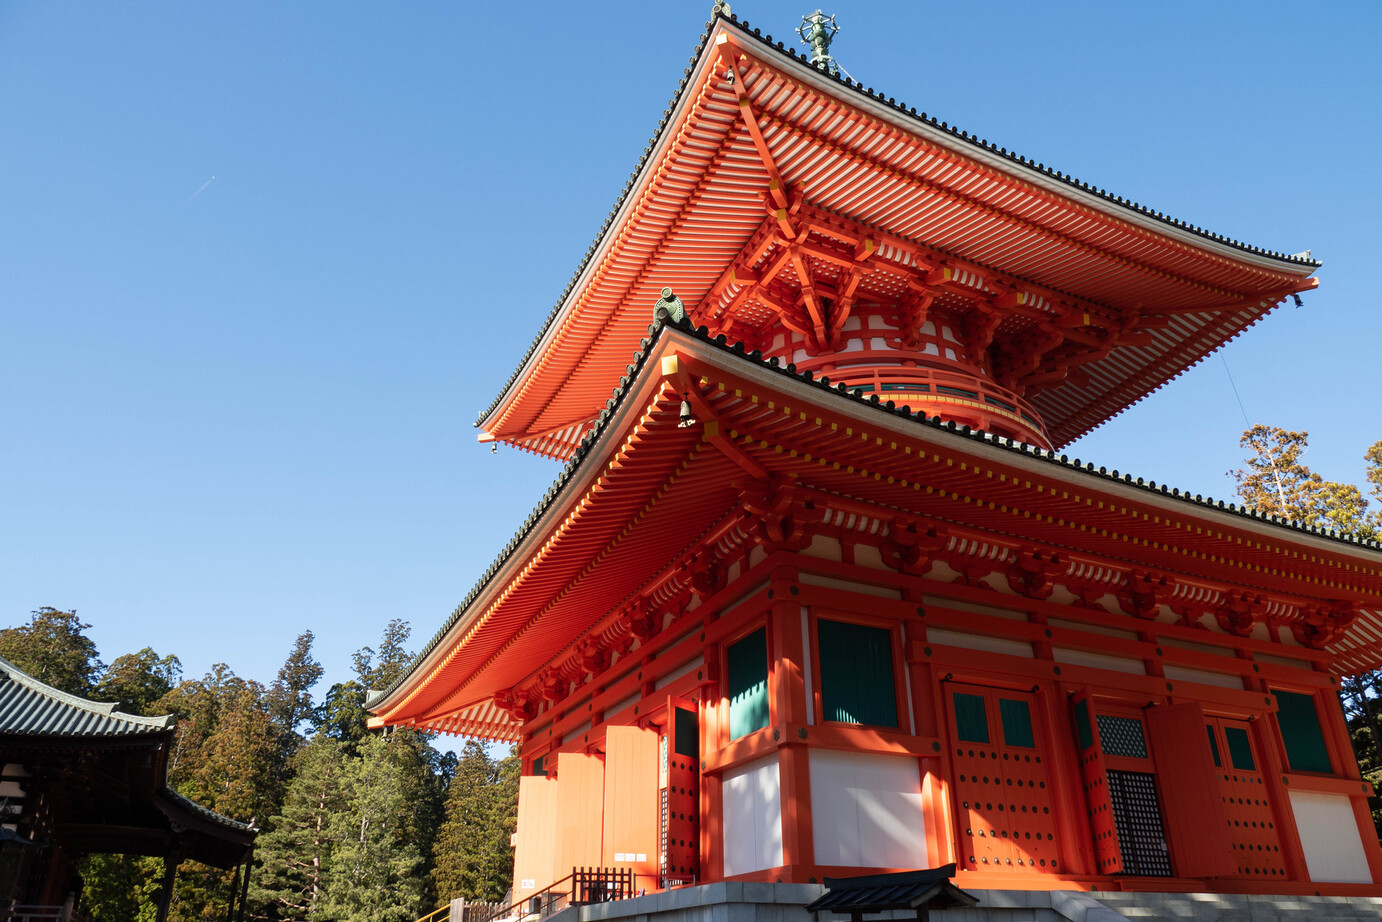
245 883
165 897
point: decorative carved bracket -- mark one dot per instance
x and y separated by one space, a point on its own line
706 573
1143 593
642 621
910 547
515 703
1324 624
1034 572
593 659
780 517
1238 612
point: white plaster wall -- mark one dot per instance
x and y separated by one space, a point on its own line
866 810
1185 674
1098 660
986 642
1329 836
752 798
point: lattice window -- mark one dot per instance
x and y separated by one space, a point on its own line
1122 736
1137 817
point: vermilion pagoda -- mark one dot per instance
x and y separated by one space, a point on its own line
815 593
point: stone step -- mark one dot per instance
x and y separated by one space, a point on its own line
1228 907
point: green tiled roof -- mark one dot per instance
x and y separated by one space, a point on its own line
29 707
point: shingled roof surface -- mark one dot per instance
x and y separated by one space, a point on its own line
191 806
841 392
29 707
1019 165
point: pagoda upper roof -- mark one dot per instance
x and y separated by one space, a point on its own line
1168 292
638 491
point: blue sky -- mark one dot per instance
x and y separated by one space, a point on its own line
237 413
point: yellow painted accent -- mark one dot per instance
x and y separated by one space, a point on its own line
670 365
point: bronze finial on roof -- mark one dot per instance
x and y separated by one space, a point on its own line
816 31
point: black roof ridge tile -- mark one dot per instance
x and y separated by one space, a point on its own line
717 14
737 349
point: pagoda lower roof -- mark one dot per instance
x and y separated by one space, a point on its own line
1166 293
642 492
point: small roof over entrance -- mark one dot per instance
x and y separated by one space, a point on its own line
921 891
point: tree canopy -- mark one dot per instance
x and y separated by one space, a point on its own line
1276 481
353 820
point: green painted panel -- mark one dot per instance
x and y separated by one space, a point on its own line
748 684
687 734
1214 746
857 684
1300 731
1239 749
1017 723
971 723
1082 725
540 766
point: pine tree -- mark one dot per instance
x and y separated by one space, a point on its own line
289 704
290 696
295 849
1277 482
376 669
472 857
343 716
222 758
374 871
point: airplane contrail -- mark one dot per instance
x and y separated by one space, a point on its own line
199 191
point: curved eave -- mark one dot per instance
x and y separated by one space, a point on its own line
693 202
553 553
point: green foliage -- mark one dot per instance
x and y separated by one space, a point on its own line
472 857
290 697
375 870
350 818
295 849
343 716
378 669
224 749
1277 482
53 649
136 681
120 888
289 704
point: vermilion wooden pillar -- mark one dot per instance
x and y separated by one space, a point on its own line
935 793
713 721
788 695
